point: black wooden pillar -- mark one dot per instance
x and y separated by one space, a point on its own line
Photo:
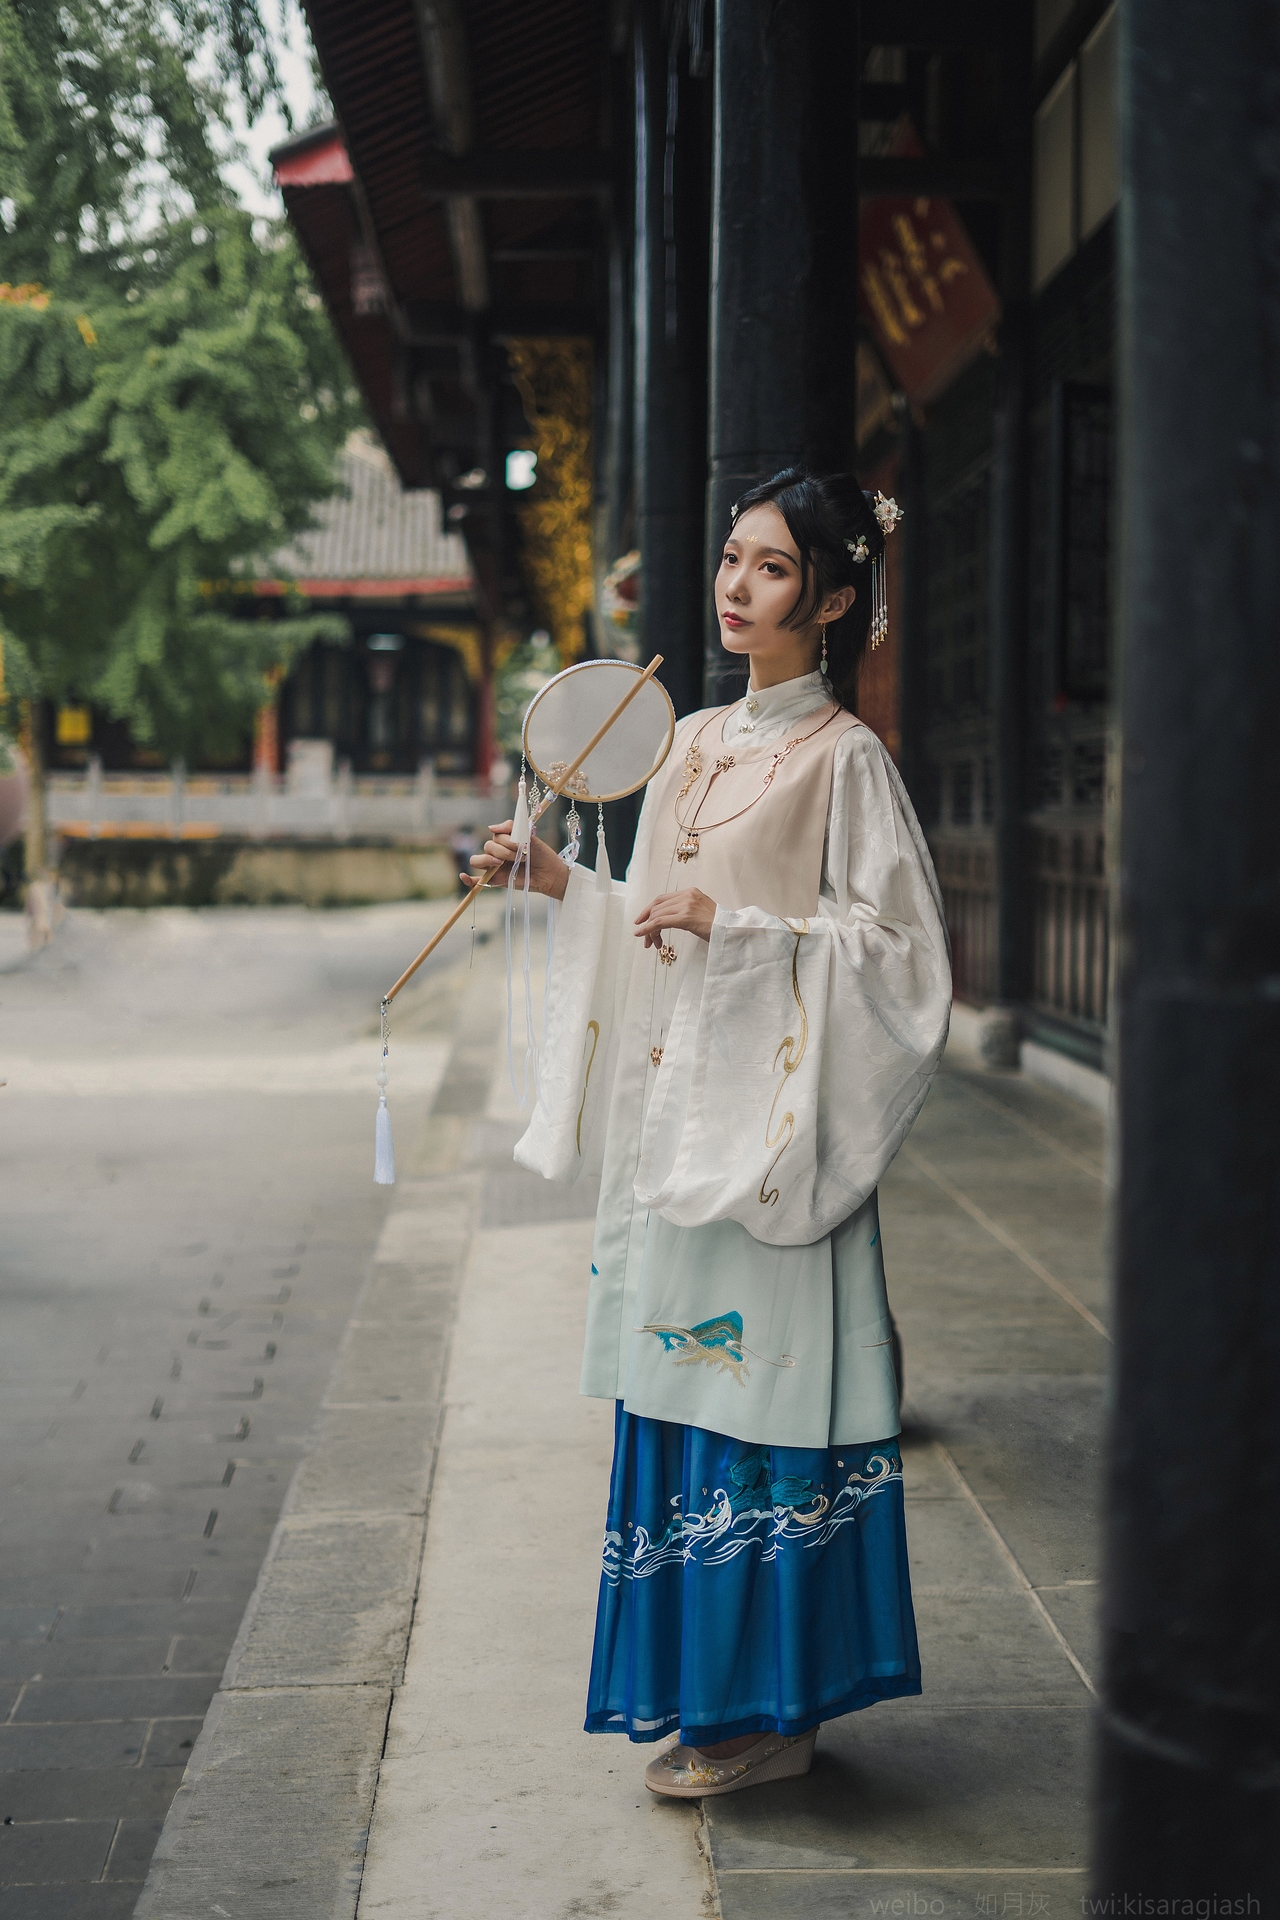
911 641
614 442
784 255
1189 1787
670 350
615 479
1009 522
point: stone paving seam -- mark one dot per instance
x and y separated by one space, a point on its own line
413 1614
702 1840
417 1592
888 1872
1005 1238
1014 1564
1033 1127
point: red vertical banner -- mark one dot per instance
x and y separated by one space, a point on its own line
925 292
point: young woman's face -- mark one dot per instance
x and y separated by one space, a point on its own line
757 586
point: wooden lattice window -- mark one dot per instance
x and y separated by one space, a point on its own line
958 544
1082 453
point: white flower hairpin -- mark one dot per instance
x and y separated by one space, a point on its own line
887 512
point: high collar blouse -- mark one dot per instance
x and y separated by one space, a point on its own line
765 713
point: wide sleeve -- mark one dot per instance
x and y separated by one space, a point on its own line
563 1137
594 958
800 1070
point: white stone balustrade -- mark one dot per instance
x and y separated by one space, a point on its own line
311 803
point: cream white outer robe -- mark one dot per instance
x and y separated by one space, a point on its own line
734 1287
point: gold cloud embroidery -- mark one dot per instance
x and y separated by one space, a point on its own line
593 1028
791 1052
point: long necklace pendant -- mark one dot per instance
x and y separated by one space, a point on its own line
687 849
692 769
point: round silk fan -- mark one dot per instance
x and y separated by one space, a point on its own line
569 713
598 731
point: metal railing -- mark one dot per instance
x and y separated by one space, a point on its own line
965 874
175 805
1071 934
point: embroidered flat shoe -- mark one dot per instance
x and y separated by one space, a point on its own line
689 1775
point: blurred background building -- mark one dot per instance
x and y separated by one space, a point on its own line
899 222
404 684
406 687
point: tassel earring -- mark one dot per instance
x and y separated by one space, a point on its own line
822 664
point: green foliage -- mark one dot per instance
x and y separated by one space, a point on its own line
171 406
524 671
242 46
103 126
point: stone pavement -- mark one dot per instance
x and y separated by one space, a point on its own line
972 1799
352 1766
186 1214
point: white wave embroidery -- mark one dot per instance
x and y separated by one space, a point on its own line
720 1535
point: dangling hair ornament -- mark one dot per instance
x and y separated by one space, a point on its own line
887 513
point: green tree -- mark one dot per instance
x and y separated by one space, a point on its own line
172 397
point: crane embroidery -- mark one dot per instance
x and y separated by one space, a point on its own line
714 1343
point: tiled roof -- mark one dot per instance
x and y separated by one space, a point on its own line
378 532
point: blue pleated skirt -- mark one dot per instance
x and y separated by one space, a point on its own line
748 1589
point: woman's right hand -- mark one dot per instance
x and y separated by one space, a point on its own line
547 871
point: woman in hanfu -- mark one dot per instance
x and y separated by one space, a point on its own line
739 1039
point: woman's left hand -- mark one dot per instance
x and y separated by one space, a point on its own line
691 910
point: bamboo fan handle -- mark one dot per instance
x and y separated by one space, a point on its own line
555 789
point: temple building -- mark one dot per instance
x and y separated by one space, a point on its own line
405 687
496 215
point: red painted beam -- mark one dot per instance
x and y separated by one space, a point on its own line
358 589
323 165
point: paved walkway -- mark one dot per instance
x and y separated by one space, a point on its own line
344 1775
186 1213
